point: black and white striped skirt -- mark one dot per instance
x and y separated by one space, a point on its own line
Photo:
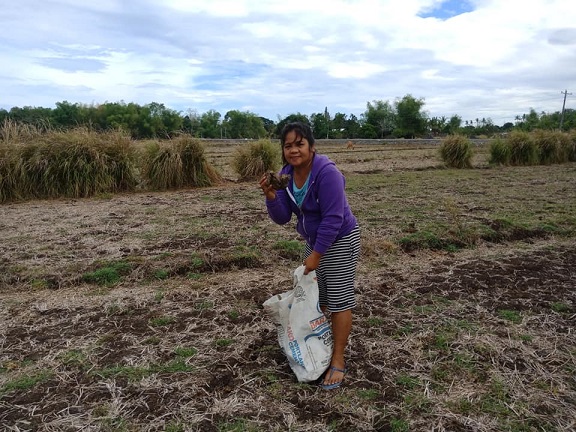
336 273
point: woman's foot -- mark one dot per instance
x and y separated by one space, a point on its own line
334 377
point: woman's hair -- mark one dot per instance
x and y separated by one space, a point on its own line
302 130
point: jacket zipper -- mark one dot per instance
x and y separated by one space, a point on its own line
300 206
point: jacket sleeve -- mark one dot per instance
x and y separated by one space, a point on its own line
279 209
332 201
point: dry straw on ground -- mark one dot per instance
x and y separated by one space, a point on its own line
473 339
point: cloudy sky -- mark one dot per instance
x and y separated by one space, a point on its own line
477 58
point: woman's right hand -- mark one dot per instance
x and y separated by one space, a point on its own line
268 190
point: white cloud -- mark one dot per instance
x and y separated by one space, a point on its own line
276 58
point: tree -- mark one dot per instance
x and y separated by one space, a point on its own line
380 117
454 124
269 125
410 120
320 126
191 123
298 117
437 125
243 125
67 115
353 127
210 126
339 126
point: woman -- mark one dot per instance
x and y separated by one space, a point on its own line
316 196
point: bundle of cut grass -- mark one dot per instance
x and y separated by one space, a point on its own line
456 151
78 163
176 164
549 147
499 152
254 159
523 150
569 144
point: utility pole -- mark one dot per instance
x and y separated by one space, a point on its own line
565 93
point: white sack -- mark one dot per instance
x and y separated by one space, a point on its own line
304 333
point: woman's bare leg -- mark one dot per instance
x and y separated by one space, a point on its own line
341 327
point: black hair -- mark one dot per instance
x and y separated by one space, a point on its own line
302 130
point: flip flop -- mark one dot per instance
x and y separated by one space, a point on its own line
337 384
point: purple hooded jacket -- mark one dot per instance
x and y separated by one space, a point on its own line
325 215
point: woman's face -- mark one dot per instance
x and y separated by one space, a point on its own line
297 151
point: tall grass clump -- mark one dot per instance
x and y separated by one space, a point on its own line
499 152
78 163
456 151
549 147
569 144
253 159
13 132
8 190
523 149
177 163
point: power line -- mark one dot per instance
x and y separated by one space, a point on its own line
565 93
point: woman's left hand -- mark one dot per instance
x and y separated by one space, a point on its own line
312 262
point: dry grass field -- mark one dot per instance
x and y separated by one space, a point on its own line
143 312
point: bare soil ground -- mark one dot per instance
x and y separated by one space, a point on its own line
473 339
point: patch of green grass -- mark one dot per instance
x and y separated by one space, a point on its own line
368 394
174 366
374 321
244 256
131 373
416 402
40 284
26 381
224 342
161 274
159 296
185 352
108 275
407 381
428 240
399 425
162 321
204 305
118 309
114 424
74 358
291 249
238 425
560 307
404 330
175 426
136 373
233 314
152 340
510 315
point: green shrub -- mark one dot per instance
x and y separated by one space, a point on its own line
176 164
456 151
253 159
499 152
523 150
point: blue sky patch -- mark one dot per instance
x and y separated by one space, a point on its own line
448 9
74 65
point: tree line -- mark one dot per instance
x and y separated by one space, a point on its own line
403 118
